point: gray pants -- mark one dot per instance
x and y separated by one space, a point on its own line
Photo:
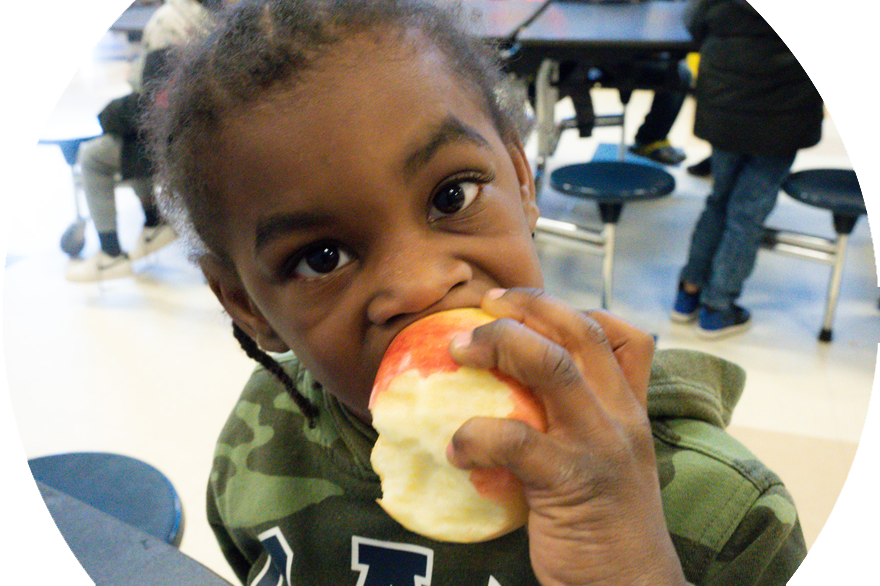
100 164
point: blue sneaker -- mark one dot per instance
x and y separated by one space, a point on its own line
715 324
686 308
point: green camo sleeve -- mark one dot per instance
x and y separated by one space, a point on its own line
732 521
764 550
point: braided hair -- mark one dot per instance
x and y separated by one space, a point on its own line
253 350
258 47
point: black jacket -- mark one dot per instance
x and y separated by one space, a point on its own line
753 96
122 117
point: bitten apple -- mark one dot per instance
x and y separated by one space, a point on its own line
420 398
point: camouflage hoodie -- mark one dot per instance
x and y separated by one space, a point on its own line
293 505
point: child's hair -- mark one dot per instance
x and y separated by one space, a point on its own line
263 46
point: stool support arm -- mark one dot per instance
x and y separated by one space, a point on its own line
598 242
802 245
571 233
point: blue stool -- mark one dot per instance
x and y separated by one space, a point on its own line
838 191
612 185
123 487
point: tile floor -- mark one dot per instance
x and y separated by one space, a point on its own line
146 366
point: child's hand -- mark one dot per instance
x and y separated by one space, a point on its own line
590 482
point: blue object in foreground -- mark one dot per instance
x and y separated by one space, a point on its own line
126 488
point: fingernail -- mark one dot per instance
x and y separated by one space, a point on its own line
495 293
461 339
450 454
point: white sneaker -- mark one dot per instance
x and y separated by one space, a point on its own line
151 240
100 267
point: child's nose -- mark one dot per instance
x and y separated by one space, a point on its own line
415 281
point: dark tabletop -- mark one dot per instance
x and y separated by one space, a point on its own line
115 553
645 25
134 18
501 19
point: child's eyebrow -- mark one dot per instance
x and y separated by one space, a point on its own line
277 225
450 130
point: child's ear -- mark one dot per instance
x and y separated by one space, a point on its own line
526 182
227 287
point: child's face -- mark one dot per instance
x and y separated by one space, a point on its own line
375 194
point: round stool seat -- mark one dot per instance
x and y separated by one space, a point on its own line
612 181
836 190
123 487
69 146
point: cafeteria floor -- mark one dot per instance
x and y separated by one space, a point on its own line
147 366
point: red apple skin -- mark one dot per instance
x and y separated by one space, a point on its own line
424 345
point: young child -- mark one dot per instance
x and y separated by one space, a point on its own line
342 168
757 107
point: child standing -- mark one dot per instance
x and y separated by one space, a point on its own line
757 107
343 168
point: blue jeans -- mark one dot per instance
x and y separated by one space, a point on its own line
726 238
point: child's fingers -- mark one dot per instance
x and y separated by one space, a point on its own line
603 347
485 442
546 315
535 361
591 372
633 348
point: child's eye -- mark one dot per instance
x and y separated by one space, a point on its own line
453 197
319 260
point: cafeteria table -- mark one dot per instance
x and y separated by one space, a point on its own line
614 43
535 36
133 20
502 20
613 37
